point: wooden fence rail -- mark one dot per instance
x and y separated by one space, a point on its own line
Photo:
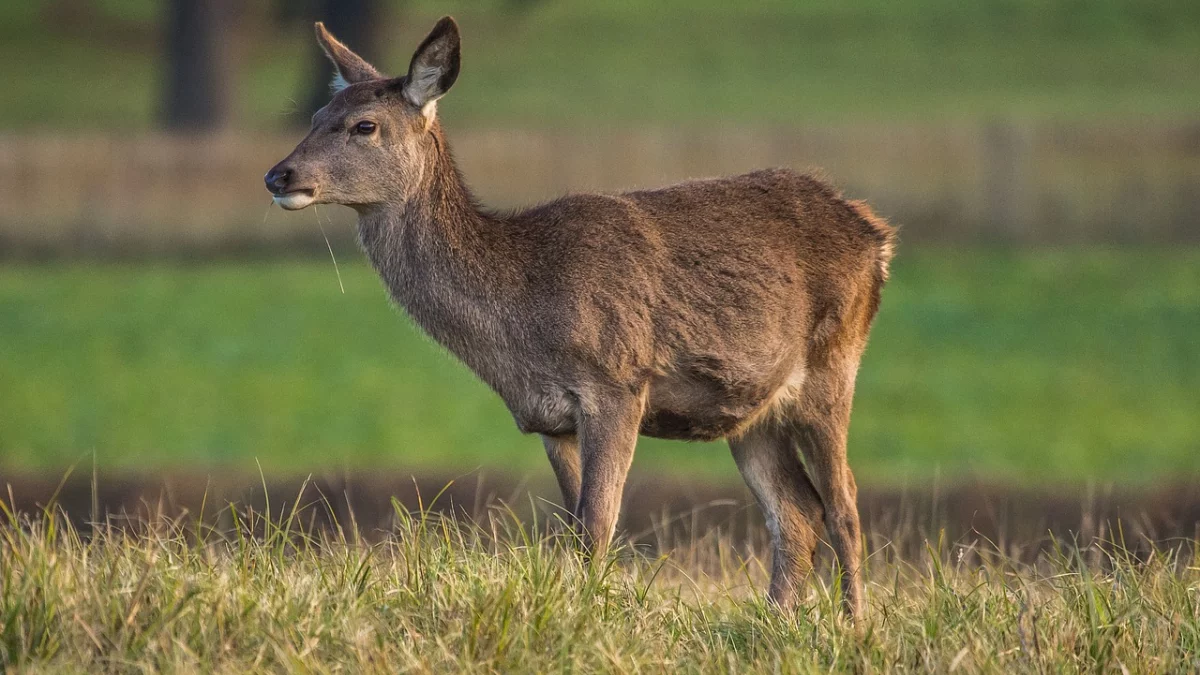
997 182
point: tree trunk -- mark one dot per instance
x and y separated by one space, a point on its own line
199 74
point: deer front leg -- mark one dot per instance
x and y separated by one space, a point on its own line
607 436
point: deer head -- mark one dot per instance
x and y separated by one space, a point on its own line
372 144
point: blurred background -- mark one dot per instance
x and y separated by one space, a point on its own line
161 323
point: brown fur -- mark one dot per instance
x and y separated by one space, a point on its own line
736 307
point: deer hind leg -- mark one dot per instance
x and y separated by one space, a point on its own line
563 453
766 456
607 436
820 424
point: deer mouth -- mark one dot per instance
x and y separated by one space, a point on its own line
294 200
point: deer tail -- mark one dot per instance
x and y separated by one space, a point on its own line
883 234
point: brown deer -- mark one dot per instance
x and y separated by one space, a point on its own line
730 308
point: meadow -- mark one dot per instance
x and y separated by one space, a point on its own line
575 63
445 595
1033 367
1064 379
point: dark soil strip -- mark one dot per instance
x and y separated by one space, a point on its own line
657 512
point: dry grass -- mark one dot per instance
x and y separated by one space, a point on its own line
439 594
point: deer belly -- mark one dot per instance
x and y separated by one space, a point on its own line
688 426
705 408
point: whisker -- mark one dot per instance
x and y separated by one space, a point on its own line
317 213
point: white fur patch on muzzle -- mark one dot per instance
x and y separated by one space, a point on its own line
294 201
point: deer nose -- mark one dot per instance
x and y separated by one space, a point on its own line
277 179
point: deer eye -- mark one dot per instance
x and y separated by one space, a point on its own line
365 128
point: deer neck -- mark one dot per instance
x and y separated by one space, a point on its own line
452 267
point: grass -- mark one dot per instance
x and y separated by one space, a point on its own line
1033 367
439 595
577 63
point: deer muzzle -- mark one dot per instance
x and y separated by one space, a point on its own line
280 181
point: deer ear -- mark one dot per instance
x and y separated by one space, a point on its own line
434 67
350 68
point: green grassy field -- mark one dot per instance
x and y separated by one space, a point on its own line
1038 367
439 596
580 63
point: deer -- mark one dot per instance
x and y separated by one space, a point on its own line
733 308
